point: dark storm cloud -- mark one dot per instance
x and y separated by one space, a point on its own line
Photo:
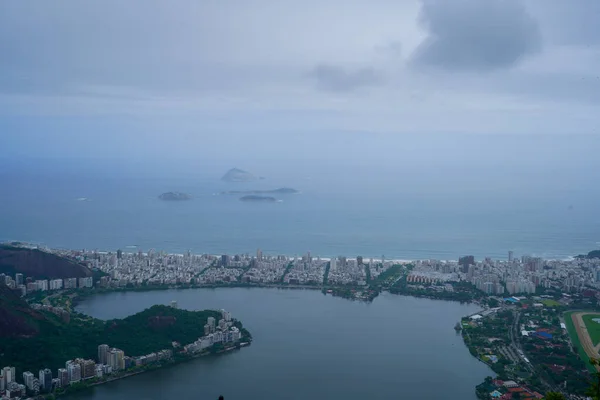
338 79
476 35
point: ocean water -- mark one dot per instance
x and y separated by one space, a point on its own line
433 199
309 346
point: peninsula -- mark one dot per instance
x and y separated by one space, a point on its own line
87 351
175 196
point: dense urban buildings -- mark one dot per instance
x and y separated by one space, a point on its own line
496 277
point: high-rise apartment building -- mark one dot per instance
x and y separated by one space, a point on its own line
74 371
103 353
45 377
28 379
63 376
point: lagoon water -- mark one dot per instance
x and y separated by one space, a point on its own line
309 346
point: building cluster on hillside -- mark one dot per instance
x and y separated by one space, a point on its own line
222 332
110 360
513 276
28 285
64 315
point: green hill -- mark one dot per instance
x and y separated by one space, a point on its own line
39 264
150 330
17 319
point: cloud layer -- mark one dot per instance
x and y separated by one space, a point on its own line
528 66
476 35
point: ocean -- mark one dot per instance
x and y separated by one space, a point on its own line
434 199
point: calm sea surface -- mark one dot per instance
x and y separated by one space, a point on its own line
349 211
309 346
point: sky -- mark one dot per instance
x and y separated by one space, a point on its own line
168 77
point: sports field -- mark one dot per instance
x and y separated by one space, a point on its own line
593 327
550 303
580 337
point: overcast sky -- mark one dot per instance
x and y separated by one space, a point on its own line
382 66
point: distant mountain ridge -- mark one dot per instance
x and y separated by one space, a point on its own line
39 264
591 255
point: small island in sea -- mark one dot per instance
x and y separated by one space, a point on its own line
284 190
175 196
256 198
238 175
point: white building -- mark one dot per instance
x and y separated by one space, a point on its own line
56 284
28 378
74 371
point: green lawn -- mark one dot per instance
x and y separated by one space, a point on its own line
575 340
593 327
550 303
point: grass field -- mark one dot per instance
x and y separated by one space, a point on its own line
592 327
550 303
575 340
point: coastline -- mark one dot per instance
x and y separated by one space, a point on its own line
324 257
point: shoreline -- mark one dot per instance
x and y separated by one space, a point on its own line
80 295
394 259
169 364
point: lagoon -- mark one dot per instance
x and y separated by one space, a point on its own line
309 346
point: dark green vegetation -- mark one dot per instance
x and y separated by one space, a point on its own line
590 255
326 274
287 270
461 291
150 330
593 327
16 317
39 264
353 293
577 347
389 277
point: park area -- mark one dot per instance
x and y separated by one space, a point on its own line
550 303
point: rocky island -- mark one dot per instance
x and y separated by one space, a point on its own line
238 175
274 191
261 199
175 196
